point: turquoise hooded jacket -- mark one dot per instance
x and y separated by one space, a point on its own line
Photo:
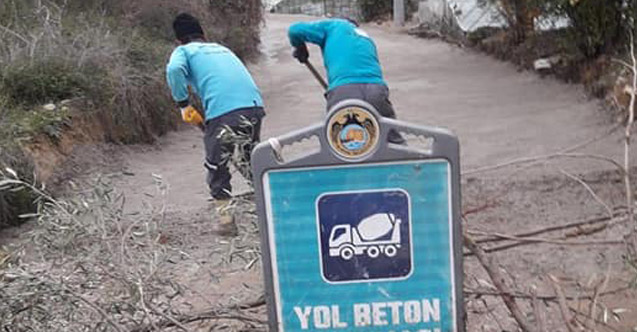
215 74
349 54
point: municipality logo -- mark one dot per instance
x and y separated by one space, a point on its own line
354 137
353 132
365 235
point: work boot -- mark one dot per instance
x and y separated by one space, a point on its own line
224 219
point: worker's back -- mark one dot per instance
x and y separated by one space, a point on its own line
349 54
218 77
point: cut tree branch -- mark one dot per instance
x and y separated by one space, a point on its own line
499 282
545 298
590 191
562 153
561 300
229 313
535 304
550 241
630 201
550 229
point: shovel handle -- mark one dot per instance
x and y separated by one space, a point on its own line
316 74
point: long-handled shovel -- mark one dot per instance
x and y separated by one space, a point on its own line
316 74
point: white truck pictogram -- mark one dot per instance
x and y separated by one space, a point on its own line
371 236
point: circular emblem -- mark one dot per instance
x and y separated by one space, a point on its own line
352 132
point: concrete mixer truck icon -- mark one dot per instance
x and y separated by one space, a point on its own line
376 235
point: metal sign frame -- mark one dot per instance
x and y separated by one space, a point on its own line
267 157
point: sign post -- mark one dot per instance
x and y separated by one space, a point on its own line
361 235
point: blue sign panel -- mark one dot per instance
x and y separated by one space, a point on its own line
368 242
364 247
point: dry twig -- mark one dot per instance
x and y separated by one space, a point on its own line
555 228
630 200
562 153
211 314
561 300
539 317
519 238
630 120
499 282
593 308
545 298
550 241
599 322
590 191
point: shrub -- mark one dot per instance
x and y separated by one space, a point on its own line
374 9
597 25
46 81
140 109
382 9
237 24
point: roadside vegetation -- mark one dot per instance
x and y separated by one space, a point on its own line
575 40
96 64
374 10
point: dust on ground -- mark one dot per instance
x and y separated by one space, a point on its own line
500 115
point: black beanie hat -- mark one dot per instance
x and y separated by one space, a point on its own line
187 27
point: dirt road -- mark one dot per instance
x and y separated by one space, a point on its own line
499 113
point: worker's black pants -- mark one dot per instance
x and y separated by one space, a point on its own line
237 131
375 94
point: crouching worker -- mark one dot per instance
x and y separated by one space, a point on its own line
351 61
233 108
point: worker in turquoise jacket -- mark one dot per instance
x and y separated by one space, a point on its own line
351 61
233 107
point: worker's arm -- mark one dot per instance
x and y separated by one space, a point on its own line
302 32
177 78
310 32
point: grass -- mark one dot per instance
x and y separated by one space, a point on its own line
23 125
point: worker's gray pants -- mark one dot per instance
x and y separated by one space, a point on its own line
237 130
375 94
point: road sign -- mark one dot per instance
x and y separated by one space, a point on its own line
362 235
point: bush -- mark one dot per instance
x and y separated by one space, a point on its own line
597 25
47 81
237 24
382 9
139 110
375 9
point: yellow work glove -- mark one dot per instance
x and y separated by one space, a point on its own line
191 116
